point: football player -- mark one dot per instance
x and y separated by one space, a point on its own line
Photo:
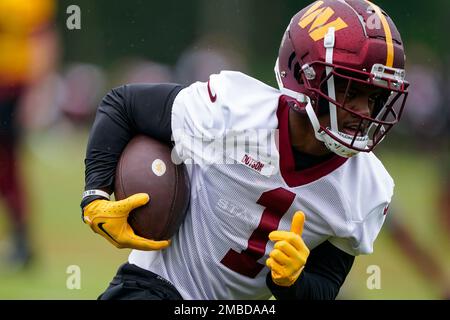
310 194
26 55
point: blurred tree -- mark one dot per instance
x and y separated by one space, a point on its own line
111 30
160 30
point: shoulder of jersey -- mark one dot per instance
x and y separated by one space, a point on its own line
367 189
230 85
375 168
376 163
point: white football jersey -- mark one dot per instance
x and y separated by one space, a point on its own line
233 130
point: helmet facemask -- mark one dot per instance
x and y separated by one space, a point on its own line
386 99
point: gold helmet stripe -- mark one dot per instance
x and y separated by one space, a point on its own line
388 33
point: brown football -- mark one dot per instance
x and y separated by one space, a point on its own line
146 166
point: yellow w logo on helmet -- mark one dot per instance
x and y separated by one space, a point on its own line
318 18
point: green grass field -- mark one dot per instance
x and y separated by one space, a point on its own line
54 170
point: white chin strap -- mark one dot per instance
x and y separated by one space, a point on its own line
332 143
329 46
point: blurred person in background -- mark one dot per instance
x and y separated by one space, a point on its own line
414 250
65 99
27 52
141 70
425 119
445 188
444 197
208 55
83 85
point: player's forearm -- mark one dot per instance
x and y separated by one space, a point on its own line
124 112
325 272
309 286
110 133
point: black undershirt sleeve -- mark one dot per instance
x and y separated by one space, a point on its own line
123 113
325 272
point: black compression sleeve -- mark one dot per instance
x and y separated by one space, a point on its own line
325 272
123 113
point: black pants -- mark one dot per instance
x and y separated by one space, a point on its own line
134 283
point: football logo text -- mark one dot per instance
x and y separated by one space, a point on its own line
318 18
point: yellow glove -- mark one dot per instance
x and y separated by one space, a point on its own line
289 253
109 219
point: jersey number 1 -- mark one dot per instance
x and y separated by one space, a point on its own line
276 203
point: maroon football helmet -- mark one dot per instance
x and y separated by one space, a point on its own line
349 43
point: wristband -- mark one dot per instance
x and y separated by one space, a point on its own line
96 192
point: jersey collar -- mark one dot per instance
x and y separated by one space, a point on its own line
292 177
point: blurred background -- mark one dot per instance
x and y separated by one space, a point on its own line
58 58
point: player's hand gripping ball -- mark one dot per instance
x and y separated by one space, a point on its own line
145 169
109 219
289 254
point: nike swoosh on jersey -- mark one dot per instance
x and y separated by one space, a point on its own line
100 226
211 96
